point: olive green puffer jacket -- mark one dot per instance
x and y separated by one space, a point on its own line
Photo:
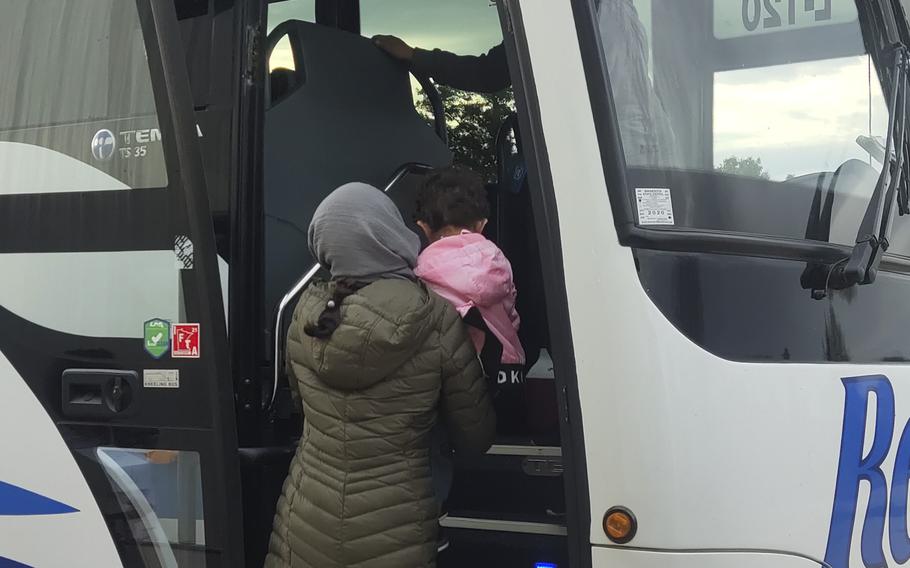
359 491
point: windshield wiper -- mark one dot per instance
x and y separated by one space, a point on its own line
874 231
874 146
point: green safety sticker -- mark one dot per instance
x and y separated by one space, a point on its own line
157 337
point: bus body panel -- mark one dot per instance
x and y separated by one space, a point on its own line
132 284
707 453
22 163
607 557
42 490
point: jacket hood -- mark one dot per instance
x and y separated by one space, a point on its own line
468 267
382 326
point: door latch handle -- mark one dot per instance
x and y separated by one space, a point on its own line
99 393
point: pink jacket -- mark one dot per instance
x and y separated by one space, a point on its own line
470 271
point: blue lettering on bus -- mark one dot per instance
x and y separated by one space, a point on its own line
853 468
897 520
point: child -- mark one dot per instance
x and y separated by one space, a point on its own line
460 264
469 271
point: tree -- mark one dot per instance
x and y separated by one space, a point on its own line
473 121
746 167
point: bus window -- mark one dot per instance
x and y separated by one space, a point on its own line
77 108
162 489
731 119
779 117
291 10
283 75
464 28
283 72
282 57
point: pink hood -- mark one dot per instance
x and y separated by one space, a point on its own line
471 272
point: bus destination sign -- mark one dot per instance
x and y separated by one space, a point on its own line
741 18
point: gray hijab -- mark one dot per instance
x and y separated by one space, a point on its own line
357 233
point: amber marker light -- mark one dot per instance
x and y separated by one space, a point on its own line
620 525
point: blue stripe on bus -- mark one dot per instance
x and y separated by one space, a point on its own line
15 501
7 563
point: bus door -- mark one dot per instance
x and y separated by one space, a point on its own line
117 437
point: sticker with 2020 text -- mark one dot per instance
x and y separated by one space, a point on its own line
655 206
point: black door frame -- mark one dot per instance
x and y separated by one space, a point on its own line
173 96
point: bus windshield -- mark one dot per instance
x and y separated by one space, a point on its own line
735 115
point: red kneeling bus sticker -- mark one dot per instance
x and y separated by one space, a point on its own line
185 340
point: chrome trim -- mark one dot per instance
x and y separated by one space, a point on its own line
496 525
514 450
278 351
285 301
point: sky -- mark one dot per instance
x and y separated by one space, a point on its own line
798 118
468 27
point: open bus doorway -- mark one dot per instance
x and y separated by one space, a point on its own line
338 109
680 114
674 89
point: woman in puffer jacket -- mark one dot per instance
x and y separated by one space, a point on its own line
374 357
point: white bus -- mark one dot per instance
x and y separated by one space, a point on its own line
703 202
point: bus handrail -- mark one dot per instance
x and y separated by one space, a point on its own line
305 280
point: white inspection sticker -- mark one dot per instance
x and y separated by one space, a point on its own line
161 378
655 207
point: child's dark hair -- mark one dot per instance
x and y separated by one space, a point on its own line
452 197
330 318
